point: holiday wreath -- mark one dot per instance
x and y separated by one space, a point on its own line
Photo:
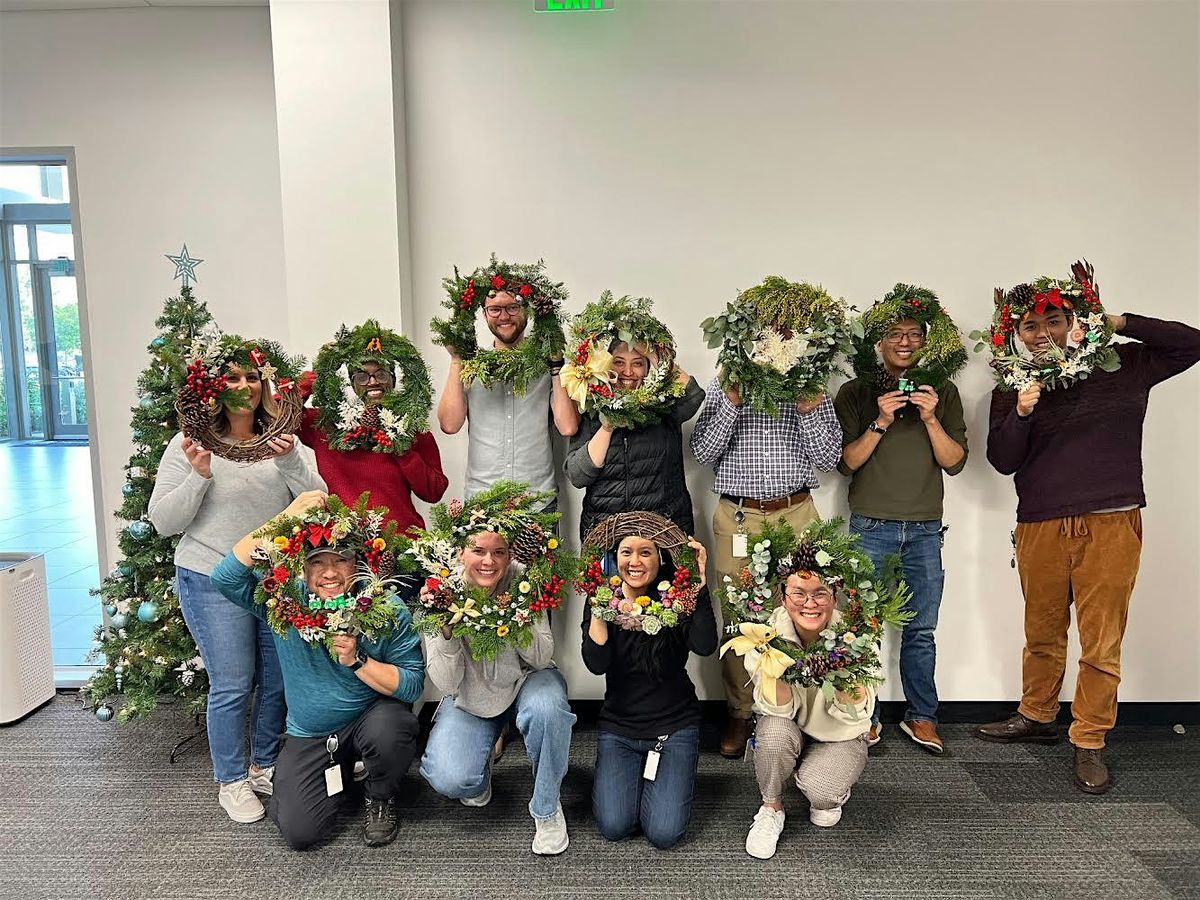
938 360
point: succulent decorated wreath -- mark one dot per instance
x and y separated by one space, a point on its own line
349 422
1089 339
369 608
587 375
529 285
847 652
539 583
206 393
780 342
674 600
938 361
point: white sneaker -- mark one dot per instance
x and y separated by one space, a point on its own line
239 801
764 833
551 837
483 799
827 818
261 782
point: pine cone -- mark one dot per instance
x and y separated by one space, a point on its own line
387 564
1020 296
528 544
805 557
454 508
370 418
817 665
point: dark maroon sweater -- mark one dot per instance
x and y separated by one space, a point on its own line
1080 450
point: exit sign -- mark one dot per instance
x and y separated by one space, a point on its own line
572 5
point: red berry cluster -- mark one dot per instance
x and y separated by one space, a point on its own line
360 435
1089 293
916 304
581 353
374 557
307 620
550 596
497 282
591 579
200 384
602 389
468 296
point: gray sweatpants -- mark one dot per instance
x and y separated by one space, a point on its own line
828 769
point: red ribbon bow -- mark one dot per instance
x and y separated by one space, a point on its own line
1050 298
257 357
318 533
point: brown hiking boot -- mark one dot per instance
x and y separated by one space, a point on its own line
733 742
1018 729
924 733
1091 774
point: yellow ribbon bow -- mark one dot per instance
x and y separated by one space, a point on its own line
771 663
467 609
576 377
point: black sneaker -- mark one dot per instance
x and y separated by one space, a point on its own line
380 825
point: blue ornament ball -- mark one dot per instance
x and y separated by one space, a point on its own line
139 530
111 609
148 611
120 620
124 569
127 489
159 342
147 402
104 713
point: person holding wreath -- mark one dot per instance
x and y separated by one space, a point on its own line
236 462
322 578
628 451
766 427
643 619
902 428
510 392
1066 421
494 569
368 424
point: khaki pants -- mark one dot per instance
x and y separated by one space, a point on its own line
739 695
1091 561
828 769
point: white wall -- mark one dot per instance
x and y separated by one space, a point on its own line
685 150
172 116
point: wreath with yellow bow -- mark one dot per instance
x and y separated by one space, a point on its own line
542 574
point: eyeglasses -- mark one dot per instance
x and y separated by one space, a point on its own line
821 596
511 310
913 337
379 376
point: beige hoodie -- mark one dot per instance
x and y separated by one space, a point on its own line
819 720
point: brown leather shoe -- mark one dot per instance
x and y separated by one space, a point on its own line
733 742
1091 774
924 733
1018 729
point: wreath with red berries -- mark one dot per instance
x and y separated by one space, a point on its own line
675 600
206 394
529 360
1089 340
939 359
369 608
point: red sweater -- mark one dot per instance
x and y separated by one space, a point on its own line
391 479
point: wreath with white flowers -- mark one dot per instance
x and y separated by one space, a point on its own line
529 360
1089 341
675 599
371 606
543 570
848 650
206 393
587 375
349 422
939 359
780 342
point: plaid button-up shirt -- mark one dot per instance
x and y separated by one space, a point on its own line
760 456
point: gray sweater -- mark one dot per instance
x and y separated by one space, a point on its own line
213 513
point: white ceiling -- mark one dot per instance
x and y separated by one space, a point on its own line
15 5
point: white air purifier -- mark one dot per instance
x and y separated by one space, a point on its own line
26 660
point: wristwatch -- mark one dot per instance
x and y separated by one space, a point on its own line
875 427
360 659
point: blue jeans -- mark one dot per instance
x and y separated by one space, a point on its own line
622 799
239 653
919 545
460 745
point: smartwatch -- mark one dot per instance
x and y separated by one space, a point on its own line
360 660
874 426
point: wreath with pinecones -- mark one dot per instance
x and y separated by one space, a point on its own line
206 394
1089 340
780 342
847 652
528 285
675 599
538 582
351 423
369 608
939 359
587 375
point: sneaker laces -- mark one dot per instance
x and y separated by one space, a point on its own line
377 809
241 792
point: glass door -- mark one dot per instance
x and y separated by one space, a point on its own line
60 351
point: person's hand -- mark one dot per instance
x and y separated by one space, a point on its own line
454 357
733 392
447 632
346 648
681 376
851 695
1116 321
888 404
1028 399
304 502
804 407
199 458
282 445
925 399
701 559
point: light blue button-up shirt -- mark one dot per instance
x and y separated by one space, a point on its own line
509 436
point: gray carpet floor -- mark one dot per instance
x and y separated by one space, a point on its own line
95 810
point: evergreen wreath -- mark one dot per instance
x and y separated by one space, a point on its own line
206 393
1090 336
529 360
847 652
676 599
491 623
779 342
370 607
346 419
587 375
938 361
